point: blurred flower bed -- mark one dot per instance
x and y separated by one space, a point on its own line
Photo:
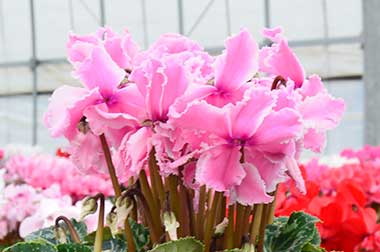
344 193
36 188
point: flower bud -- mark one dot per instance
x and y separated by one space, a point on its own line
171 224
248 248
60 234
123 209
111 221
221 227
89 206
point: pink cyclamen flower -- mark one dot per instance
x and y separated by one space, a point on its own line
250 127
98 67
160 83
278 59
232 70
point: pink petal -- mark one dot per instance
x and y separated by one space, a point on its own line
101 119
321 111
277 129
219 168
130 101
121 49
272 173
274 34
221 98
312 86
238 63
79 47
295 173
87 154
314 140
134 151
161 83
65 109
280 60
202 116
175 86
247 116
252 188
99 70
174 43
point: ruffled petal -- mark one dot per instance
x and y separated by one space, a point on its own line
122 49
65 109
277 129
271 172
312 86
280 60
101 119
321 112
161 83
134 151
87 154
252 188
201 116
247 116
295 172
99 70
219 168
79 47
314 140
238 63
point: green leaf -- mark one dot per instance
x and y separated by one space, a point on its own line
73 247
80 227
45 234
140 234
291 234
31 247
48 234
115 245
312 248
90 238
188 244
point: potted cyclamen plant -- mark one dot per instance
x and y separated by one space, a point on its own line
195 145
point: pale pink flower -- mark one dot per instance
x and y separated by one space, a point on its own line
249 126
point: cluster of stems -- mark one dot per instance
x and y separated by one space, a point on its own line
154 195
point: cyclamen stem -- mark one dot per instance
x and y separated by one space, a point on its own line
200 214
264 222
99 231
256 221
155 229
229 234
150 202
129 236
111 167
157 184
272 208
70 227
210 222
239 224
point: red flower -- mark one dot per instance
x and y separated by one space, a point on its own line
61 153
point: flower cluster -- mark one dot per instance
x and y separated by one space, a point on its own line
42 171
343 193
235 123
36 188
